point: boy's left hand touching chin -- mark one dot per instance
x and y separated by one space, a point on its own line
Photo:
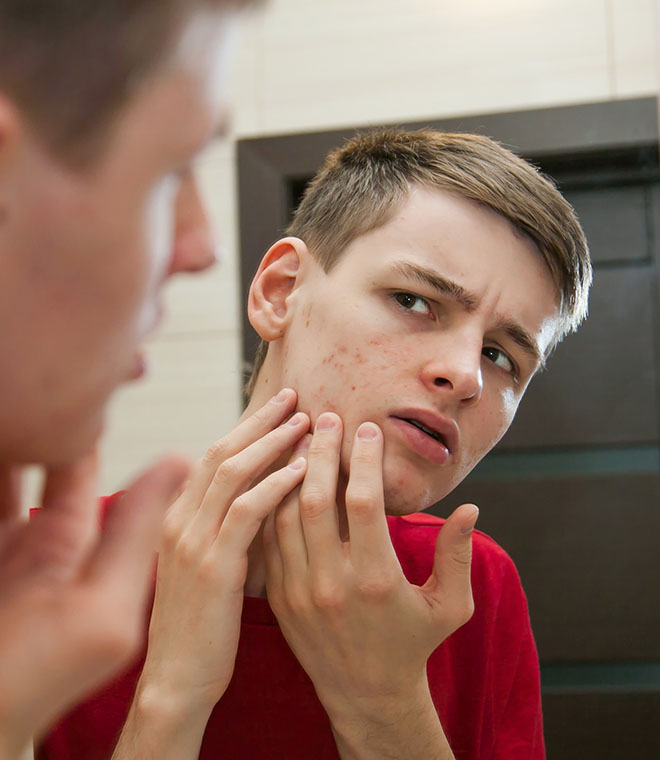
360 630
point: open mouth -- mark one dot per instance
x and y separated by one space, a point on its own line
429 431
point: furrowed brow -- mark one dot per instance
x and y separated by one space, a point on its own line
522 338
437 282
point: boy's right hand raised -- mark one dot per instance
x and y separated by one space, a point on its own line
202 568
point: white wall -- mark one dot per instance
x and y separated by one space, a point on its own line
312 65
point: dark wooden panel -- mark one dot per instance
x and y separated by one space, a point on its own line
600 386
614 221
602 726
587 552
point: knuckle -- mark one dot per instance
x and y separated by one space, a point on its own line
462 560
229 470
207 571
285 519
328 596
187 550
242 510
361 501
313 502
216 451
171 531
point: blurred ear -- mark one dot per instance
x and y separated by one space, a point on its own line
269 303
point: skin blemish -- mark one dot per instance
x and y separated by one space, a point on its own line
352 387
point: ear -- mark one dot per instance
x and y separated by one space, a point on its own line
280 272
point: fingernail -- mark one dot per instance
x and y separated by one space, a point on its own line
368 431
470 522
326 422
298 464
296 420
283 395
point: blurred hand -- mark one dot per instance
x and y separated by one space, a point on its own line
202 569
72 598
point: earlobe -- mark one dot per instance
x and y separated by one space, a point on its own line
269 301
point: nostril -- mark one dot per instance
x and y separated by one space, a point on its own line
440 381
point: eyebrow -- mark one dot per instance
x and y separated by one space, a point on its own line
470 302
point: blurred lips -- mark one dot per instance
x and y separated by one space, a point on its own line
431 436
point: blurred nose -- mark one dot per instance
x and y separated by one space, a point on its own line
194 246
456 374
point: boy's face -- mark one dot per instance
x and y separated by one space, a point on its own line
431 326
84 255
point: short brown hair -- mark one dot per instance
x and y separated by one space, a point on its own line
69 65
361 184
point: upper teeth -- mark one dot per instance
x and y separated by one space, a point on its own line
428 431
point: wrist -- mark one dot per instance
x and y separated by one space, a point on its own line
398 725
169 710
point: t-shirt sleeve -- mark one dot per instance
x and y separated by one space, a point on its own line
519 735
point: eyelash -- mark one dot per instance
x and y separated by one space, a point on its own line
403 294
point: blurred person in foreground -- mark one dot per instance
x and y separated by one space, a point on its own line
104 104
425 279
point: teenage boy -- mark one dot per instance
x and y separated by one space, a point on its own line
425 279
103 106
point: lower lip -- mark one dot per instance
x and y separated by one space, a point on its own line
421 443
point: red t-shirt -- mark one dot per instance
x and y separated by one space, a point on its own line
484 679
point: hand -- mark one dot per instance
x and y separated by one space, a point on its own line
72 599
361 631
203 562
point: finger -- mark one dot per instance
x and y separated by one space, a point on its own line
272 556
370 541
71 505
236 474
301 448
123 560
450 581
245 517
291 539
318 495
265 419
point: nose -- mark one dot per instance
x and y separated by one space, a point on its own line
457 375
194 246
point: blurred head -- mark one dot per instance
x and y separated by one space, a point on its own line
103 107
425 280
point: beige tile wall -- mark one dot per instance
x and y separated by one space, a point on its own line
310 65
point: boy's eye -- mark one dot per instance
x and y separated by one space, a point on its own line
412 302
499 358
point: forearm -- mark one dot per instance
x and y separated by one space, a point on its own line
399 728
160 728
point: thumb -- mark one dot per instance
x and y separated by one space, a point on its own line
125 552
450 582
